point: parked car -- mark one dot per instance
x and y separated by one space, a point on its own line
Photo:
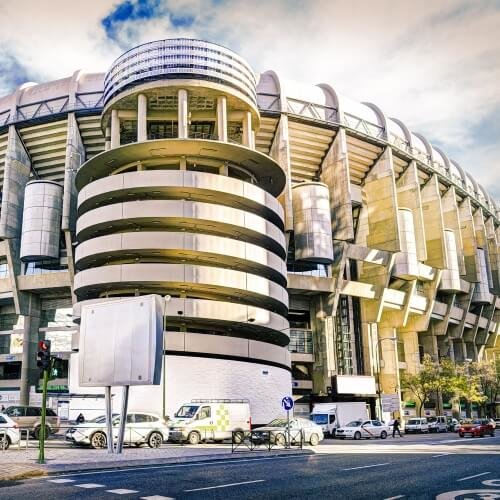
9 432
276 431
358 429
452 423
415 425
478 427
140 428
437 424
30 417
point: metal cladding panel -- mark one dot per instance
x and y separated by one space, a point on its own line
121 342
481 292
41 221
312 222
450 279
406 262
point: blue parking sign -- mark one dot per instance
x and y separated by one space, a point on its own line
287 403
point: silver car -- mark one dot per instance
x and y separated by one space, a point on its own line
140 428
276 432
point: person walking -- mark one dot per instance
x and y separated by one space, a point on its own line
395 428
80 419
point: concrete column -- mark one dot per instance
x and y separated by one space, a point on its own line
115 129
182 125
29 326
107 137
142 107
253 140
222 118
183 163
247 129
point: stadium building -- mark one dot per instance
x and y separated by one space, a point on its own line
309 243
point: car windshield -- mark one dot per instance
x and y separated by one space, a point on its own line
277 422
187 411
431 420
414 421
354 423
477 422
319 418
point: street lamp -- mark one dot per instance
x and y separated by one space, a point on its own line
163 352
379 392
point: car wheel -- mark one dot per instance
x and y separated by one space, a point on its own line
314 439
98 440
155 440
4 442
238 437
383 435
194 438
461 434
280 440
38 432
357 435
492 433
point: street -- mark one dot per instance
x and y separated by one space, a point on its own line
416 467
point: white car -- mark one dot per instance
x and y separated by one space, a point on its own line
9 432
358 429
140 428
418 424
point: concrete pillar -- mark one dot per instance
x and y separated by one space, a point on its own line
247 129
183 163
142 107
107 139
253 140
411 349
182 116
29 325
222 118
115 129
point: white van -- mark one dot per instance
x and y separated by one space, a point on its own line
438 424
417 424
210 420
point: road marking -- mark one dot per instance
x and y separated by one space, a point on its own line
394 498
61 481
234 461
121 491
472 477
492 482
366 466
440 455
225 485
157 497
90 485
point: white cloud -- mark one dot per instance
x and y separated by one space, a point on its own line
435 65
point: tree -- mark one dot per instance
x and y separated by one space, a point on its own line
485 375
423 383
469 385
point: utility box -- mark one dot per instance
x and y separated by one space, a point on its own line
121 342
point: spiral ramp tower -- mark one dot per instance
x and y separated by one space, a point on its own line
182 204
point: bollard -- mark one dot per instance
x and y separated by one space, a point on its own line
21 437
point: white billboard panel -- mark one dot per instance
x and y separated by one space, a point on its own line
355 384
121 342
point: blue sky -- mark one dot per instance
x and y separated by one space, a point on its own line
434 65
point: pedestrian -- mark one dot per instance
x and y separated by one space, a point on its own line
80 419
2 409
395 428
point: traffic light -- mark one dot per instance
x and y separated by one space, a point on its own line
43 354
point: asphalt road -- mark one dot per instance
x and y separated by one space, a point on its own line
370 475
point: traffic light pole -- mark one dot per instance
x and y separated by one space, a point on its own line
41 437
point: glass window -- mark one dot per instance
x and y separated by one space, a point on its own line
2 420
4 269
140 419
31 411
10 371
15 411
187 411
50 413
4 344
204 412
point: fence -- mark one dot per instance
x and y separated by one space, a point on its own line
242 441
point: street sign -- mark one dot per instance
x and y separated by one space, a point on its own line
287 403
390 402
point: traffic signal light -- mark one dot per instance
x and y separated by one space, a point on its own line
43 354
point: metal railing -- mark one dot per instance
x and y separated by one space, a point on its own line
242 441
301 341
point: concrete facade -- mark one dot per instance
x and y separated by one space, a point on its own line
200 181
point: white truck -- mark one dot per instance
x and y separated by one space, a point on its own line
210 420
331 416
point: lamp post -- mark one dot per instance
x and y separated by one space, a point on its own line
163 353
379 392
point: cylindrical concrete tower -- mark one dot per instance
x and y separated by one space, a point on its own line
182 204
41 221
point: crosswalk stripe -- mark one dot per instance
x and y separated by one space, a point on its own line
121 491
61 481
157 497
90 485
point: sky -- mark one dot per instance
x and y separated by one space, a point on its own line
434 64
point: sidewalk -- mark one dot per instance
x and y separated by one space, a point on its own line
21 464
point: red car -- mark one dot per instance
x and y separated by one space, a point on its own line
476 428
